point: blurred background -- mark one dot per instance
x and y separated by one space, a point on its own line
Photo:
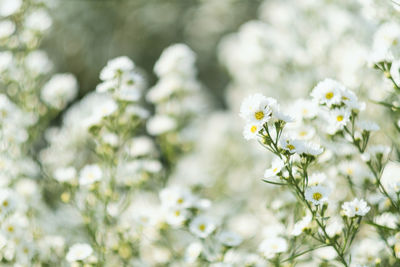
86 33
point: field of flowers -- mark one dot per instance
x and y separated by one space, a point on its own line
265 133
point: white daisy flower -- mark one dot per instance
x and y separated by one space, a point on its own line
160 124
317 194
277 165
272 246
60 90
308 148
368 126
305 109
328 92
66 174
338 118
355 208
251 130
176 216
301 225
176 197
256 108
79 252
229 239
316 178
289 144
115 67
193 251
202 226
90 174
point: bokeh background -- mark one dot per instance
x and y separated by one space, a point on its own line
87 33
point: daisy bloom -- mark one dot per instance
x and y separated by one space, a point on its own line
301 225
317 194
276 167
271 246
251 130
90 174
229 239
79 252
202 226
328 92
256 108
357 207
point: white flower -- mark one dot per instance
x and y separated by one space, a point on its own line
368 126
7 27
316 179
355 208
90 174
328 92
176 197
256 108
9 7
337 119
317 194
271 246
38 20
193 252
6 59
229 239
291 145
304 108
79 252
116 67
177 59
301 225
202 226
160 124
60 90
8 202
276 167
176 216
308 148
65 174
251 130
38 62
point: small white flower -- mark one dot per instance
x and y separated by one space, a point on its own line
176 197
340 117
176 216
272 246
202 226
65 174
79 252
116 67
355 208
256 108
60 90
9 7
8 202
328 92
193 251
289 144
276 167
251 130
309 148
90 174
7 27
160 124
317 194
316 179
229 239
301 225
368 126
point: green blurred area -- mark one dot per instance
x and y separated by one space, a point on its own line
87 33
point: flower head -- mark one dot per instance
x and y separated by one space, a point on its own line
357 207
79 252
317 194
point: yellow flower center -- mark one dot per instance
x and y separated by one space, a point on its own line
177 213
339 118
180 201
329 95
10 228
317 196
290 146
356 208
303 133
202 227
345 98
5 203
259 115
253 129
275 170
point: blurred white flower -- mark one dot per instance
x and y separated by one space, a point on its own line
317 194
90 174
202 226
79 252
60 90
357 207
